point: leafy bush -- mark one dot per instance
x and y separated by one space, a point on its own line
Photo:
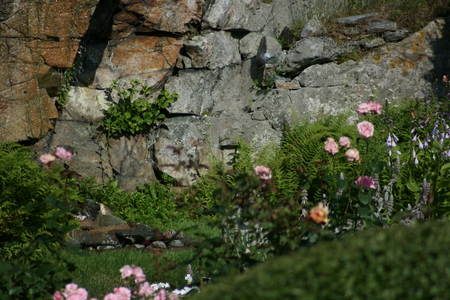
128 115
153 204
33 226
394 263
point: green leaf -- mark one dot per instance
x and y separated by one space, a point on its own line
445 167
127 115
377 167
364 211
413 186
342 184
364 198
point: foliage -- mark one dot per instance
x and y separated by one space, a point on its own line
68 78
253 229
129 116
394 263
300 159
152 203
33 225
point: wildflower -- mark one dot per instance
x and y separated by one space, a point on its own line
126 271
365 129
61 152
331 146
352 155
374 107
145 289
366 181
344 141
46 158
124 293
263 172
319 214
363 108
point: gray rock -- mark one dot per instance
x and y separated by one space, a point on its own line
352 31
159 244
142 233
372 43
353 20
233 15
102 248
269 51
313 28
314 50
90 209
248 45
381 26
213 50
395 36
108 220
176 244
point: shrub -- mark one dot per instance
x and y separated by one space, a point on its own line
33 225
394 263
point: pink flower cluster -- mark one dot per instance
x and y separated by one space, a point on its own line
366 181
369 107
263 172
72 292
60 152
120 293
332 147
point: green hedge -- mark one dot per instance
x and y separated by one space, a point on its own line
394 263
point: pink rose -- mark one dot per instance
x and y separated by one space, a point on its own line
123 293
263 172
352 155
366 181
365 129
137 272
57 296
46 158
375 107
331 146
111 296
319 214
344 141
126 271
363 108
145 289
61 152
162 295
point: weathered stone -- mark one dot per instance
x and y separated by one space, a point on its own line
91 209
353 20
352 31
287 85
233 15
28 51
395 36
269 51
85 104
169 16
381 26
248 45
372 43
314 50
213 50
313 28
108 220
176 244
139 235
159 244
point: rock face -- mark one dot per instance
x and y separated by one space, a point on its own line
100 230
208 52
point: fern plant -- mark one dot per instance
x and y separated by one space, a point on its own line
33 226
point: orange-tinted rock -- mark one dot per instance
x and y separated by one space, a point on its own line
35 38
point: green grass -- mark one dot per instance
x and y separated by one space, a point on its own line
99 273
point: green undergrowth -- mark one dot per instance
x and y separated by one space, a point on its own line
394 263
99 273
